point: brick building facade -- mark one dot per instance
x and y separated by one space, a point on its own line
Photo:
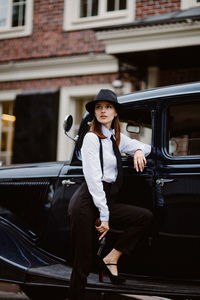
65 51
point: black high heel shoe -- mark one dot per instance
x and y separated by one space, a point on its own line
115 279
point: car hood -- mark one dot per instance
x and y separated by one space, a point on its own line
36 170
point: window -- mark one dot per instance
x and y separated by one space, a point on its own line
137 125
183 129
89 8
12 14
15 18
82 14
185 4
7 123
116 5
18 13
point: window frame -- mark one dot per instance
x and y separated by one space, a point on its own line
73 21
165 140
18 31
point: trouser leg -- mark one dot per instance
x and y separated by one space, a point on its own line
133 220
82 219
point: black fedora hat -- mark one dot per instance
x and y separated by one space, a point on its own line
103 95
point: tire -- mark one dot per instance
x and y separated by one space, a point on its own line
41 292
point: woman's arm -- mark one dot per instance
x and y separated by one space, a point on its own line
130 146
93 173
136 149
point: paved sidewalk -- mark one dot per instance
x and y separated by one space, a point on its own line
12 296
9 291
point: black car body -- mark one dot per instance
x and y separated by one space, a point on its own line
34 227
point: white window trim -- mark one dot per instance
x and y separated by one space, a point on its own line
20 31
72 21
185 4
67 106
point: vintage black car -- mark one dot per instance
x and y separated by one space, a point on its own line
34 227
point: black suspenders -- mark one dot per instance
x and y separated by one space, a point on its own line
115 186
101 155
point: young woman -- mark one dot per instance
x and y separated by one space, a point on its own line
97 197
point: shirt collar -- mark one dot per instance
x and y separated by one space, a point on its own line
106 132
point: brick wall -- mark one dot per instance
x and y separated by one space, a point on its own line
48 38
145 8
56 83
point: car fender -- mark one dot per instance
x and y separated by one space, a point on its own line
18 253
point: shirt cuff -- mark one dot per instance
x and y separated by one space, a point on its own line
146 150
104 217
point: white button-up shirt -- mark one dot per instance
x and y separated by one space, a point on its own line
92 166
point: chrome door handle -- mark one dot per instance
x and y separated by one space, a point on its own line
162 181
68 182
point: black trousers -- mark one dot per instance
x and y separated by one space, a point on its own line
133 220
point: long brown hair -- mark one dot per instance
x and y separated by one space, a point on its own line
95 127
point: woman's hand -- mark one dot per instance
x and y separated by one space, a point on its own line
139 160
103 228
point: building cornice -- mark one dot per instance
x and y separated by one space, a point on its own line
58 67
151 37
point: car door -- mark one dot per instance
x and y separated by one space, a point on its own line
138 122
177 237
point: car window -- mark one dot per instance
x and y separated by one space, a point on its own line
183 136
137 125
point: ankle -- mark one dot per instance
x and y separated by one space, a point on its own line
109 260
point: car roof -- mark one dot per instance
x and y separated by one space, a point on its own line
163 92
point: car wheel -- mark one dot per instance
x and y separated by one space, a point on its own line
41 292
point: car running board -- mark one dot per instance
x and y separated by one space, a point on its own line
59 275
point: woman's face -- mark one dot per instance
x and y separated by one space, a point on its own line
105 112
